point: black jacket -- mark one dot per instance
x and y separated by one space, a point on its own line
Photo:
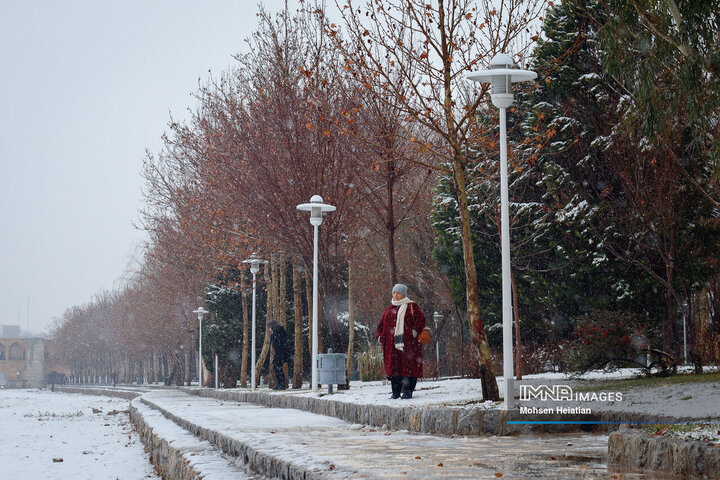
278 340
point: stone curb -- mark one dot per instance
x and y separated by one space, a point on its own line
680 457
435 420
256 460
126 394
169 461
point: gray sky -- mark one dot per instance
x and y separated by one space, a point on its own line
85 87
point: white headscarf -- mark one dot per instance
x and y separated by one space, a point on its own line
400 321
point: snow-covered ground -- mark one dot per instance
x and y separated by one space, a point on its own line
61 436
696 400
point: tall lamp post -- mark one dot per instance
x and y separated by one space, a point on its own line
200 313
255 263
316 207
501 76
436 318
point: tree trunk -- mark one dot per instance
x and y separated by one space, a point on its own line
489 385
390 222
297 300
273 298
188 370
692 324
668 329
268 317
246 332
308 297
351 325
282 305
518 343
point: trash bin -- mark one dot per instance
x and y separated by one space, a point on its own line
331 369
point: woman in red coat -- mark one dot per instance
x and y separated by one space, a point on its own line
397 331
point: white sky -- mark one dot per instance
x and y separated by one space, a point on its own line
85 87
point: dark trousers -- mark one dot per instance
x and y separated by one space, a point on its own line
404 385
279 375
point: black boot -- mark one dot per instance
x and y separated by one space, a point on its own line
408 386
396 384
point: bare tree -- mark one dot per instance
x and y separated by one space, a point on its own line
430 47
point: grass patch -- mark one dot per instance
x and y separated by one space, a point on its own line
707 431
648 382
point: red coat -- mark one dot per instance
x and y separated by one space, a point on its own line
407 362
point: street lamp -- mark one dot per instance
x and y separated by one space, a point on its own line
437 317
501 76
254 262
200 312
316 207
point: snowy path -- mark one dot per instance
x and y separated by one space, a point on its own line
39 426
324 444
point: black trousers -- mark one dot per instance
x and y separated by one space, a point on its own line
279 375
400 383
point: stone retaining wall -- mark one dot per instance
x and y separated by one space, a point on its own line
689 459
170 462
435 420
258 461
126 394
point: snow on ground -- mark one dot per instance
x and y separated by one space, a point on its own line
326 444
697 400
40 426
205 459
703 431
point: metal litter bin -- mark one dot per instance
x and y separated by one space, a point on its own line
331 369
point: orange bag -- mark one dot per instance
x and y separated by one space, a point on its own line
424 336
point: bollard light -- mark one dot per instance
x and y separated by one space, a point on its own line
316 207
501 76
254 261
200 313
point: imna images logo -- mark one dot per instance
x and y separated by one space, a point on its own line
564 393
555 393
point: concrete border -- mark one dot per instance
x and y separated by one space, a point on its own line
256 460
690 459
169 462
108 392
465 421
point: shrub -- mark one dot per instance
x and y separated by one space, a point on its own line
546 357
611 340
371 364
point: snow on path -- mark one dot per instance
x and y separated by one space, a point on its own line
39 426
208 461
327 444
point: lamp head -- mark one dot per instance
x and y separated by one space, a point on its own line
316 207
316 211
501 75
200 312
254 262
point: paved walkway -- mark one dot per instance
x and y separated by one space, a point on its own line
328 447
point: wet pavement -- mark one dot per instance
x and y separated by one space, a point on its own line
327 445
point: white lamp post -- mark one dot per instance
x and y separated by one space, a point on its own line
200 312
316 207
501 76
255 263
437 317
